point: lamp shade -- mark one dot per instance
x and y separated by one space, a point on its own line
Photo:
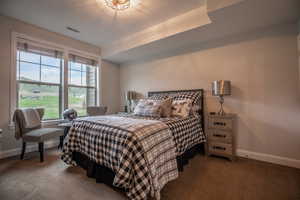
221 88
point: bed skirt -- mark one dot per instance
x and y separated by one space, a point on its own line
105 175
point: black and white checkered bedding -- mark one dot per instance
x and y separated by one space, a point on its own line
186 132
118 148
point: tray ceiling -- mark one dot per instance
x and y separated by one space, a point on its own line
97 23
154 27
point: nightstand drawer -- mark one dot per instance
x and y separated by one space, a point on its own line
220 123
220 148
220 136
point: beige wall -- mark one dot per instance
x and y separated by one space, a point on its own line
7 25
263 68
299 51
110 86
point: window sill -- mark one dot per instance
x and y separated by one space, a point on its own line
52 122
11 126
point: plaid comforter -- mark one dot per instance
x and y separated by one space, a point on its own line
141 152
186 132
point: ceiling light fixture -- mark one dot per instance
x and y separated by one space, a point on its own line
118 4
72 29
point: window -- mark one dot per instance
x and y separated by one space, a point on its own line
81 83
40 80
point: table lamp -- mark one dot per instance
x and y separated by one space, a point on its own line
221 88
130 95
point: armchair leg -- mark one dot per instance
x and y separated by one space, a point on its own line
23 150
41 150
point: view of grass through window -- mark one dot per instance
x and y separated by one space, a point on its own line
43 96
77 100
40 96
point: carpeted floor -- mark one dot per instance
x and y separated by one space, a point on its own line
205 178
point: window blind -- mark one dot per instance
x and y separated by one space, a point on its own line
83 60
31 48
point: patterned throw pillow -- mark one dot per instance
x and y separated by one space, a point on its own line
148 108
181 108
194 96
166 106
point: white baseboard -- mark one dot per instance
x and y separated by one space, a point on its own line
240 152
29 148
269 158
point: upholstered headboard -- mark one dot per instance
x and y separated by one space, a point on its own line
171 93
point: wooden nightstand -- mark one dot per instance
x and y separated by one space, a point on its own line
221 135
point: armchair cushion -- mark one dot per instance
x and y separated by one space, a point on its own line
42 134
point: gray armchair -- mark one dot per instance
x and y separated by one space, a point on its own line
35 134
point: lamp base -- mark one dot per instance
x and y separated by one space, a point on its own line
221 111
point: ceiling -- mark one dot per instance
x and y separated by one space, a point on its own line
230 22
98 24
153 28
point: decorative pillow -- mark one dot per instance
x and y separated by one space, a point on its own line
148 108
194 96
195 110
181 108
166 106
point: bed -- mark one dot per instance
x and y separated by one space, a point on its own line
137 154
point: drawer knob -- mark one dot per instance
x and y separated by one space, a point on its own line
220 123
219 148
219 135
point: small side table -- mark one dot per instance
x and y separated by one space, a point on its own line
221 135
66 126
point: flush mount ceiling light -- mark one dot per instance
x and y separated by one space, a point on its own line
118 4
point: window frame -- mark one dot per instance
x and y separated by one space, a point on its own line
87 87
63 88
39 83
